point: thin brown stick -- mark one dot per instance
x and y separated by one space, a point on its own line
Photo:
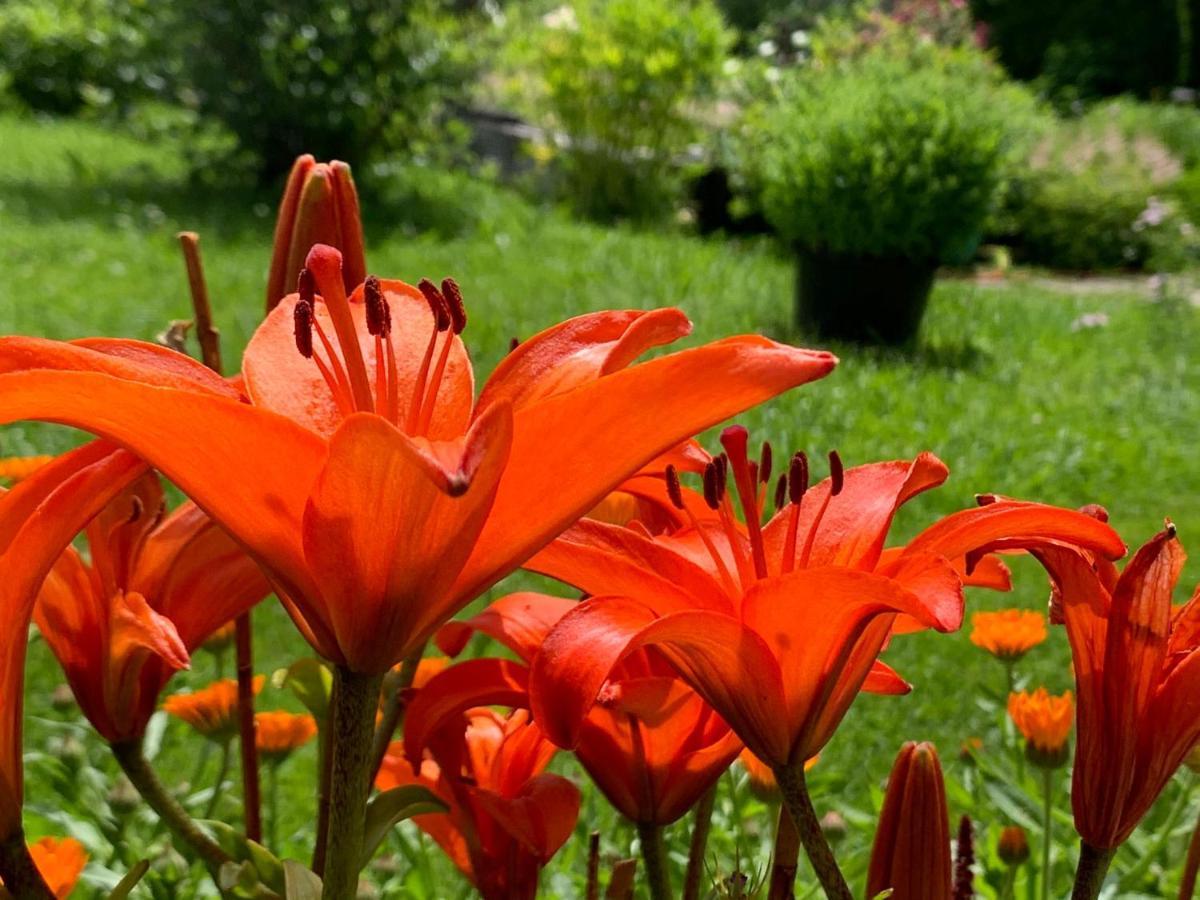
786 859
19 872
206 333
210 352
620 885
701 825
593 868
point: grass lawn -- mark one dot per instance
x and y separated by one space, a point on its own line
1013 397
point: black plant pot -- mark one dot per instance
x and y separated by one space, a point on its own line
865 299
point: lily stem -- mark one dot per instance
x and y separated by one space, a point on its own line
19 872
787 858
248 745
133 763
799 805
1187 887
393 708
1089 876
1047 826
701 825
356 700
655 857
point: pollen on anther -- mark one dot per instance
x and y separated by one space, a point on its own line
722 465
837 474
674 490
781 491
378 315
306 286
764 463
513 343
302 318
712 485
437 303
798 477
454 304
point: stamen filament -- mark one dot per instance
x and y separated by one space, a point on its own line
435 384
335 376
414 406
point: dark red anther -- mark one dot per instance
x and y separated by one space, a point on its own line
722 463
513 344
712 485
837 475
674 489
781 491
764 463
136 512
437 303
306 286
455 304
985 499
378 315
798 477
302 319
1170 529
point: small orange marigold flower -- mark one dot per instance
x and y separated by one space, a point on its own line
15 468
1045 721
212 710
1008 634
1014 845
277 734
60 862
221 638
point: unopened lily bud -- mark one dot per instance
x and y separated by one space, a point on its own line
62 698
319 206
1014 845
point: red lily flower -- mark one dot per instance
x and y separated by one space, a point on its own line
156 587
779 626
911 854
652 746
376 494
319 206
38 518
1137 678
507 817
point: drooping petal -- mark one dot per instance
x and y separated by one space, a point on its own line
578 350
571 449
599 558
385 540
935 581
279 378
248 468
883 679
38 520
541 817
519 621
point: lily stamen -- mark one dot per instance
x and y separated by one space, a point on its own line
675 493
453 299
441 322
836 482
745 475
797 484
325 264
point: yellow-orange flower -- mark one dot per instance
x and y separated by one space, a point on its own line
277 734
1045 721
16 468
221 638
60 862
1008 634
212 710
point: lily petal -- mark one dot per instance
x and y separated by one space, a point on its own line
519 621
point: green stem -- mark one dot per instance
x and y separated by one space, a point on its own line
1089 876
18 872
324 780
222 771
1047 825
132 761
1007 891
786 858
356 700
701 825
799 804
273 804
655 857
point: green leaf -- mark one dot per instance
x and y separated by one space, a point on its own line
129 882
311 681
385 810
299 882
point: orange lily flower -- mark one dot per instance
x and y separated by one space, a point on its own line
39 517
60 862
156 587
16 468
319 206
1008 634
652 746
507 817
911 854
376 493
1137 679
777 626
212 710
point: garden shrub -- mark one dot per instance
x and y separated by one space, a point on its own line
340 79
623 79
65 56
1097 192
899 150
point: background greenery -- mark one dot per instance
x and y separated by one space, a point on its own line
1007 385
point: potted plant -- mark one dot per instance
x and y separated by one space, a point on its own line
878 166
